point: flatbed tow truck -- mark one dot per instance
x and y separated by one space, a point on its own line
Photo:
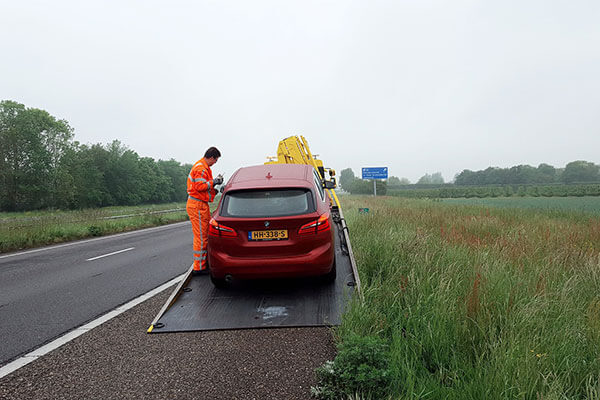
195 305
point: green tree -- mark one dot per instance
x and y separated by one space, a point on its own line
546 173
123 176
433 179
522 174
87 166
177 175
424 180
581 171
466 177
437 178
32 144
347 179
154 186
394 180
57 140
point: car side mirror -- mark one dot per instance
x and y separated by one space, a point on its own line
222 189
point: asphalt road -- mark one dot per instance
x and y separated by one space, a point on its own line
119 360
49 291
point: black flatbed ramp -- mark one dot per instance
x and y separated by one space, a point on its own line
196 305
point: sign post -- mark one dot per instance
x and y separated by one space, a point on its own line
375 173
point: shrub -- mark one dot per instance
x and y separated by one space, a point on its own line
95 230
360 368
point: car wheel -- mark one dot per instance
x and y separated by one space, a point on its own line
330 276
219 283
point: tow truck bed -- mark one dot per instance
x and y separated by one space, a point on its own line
196 305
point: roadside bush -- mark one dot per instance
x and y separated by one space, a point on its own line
362 186
158 220
360 368
94 230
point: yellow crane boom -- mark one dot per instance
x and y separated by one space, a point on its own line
295 150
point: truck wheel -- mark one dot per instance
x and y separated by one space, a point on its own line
330 276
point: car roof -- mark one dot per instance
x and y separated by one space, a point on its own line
272 175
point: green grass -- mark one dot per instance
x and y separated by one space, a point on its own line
101 212
567 204
33 229
478 303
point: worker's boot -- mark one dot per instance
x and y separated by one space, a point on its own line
202 271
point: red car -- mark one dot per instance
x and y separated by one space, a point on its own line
272 221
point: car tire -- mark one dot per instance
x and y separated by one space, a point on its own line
219 283
330 276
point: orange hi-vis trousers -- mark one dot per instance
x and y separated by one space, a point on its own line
199 213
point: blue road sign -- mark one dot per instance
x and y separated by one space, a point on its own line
375 173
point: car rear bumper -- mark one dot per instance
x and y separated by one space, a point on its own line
317 262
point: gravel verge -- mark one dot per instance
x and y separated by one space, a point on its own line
120 360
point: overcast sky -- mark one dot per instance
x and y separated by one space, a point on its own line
418 86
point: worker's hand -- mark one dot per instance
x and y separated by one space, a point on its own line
218 180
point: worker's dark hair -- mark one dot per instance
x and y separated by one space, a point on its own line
212 152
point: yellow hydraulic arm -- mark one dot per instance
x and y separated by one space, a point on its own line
295 150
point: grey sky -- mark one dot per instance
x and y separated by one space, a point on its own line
418 86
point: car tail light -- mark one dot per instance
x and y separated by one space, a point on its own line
320 225
216 229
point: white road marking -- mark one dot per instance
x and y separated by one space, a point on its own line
94 239
110 254
66 338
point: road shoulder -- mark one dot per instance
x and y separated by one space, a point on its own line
120 360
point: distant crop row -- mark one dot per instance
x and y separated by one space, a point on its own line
499 191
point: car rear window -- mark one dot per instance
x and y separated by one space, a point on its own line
267 203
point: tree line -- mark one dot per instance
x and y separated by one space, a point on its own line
574 172
577 178
42 166
453 191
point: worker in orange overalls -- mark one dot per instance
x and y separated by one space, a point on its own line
201 190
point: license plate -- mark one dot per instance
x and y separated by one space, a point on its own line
268 235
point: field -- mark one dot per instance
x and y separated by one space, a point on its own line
470 302
550 204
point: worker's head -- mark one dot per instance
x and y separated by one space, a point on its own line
212 155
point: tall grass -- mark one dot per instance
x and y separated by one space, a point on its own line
478 303
33 229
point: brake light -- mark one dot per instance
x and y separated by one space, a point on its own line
216 229
320 225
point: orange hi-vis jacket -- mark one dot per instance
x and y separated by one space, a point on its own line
200 182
